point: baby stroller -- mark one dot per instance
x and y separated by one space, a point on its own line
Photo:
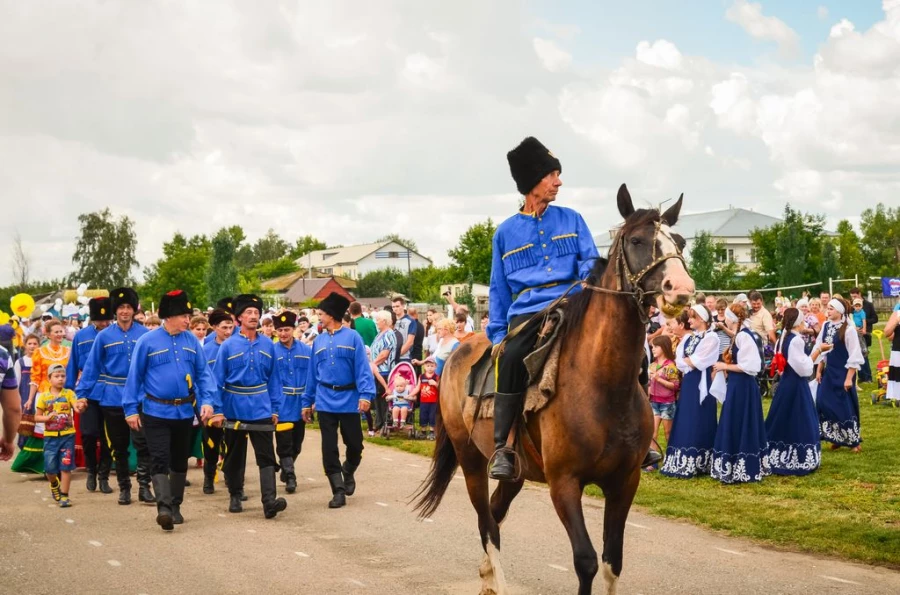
407 371
766 379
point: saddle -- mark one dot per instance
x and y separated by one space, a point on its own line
541 365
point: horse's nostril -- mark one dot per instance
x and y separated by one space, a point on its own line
667 285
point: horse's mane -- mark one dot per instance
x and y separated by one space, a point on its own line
578 303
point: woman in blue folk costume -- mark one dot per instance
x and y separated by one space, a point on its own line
836 397
741 448
792 425
689 450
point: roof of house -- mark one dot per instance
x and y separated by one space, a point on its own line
726 223
284 282
346 255
305 289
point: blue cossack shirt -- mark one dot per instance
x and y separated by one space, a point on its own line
106 370
338 359
293 368
247 378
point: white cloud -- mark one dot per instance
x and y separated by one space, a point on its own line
551 56
842 28
661 53
750 17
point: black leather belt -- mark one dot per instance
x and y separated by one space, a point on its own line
339 386
178 401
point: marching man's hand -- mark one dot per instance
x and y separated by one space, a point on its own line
307 415
364 406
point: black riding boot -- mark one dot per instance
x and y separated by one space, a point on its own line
338 489
209 480
290 477
90 463
272 505
349 480
124 481
163 489
235 482
652 458
177 482
507 408
103 471
145 494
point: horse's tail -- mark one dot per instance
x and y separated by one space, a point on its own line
443 467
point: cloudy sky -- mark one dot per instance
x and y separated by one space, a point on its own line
349 120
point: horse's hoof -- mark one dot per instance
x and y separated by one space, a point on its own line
487 592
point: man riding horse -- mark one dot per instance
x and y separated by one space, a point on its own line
538 254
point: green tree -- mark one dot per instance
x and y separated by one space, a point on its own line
472 255
829 268
427 281
383 282
790 251
305 245
183 266
105 251
393 237
221 274
851 259
270 247
880 240
702 265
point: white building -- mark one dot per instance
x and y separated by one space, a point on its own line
731 227
353 262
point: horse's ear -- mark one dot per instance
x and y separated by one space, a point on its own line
670 217
623 199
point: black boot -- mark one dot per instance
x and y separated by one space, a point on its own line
349 480
235 482
91 482
163 489
103 472
507 408
104 486
272 505
145 494
290 478
177 482
124 481
652 458
124 495
338 489
209 482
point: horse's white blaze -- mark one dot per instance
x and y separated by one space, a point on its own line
499 580
610 578
673 269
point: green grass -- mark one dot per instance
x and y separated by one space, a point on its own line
850 507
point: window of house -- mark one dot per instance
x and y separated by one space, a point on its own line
725 255
393 255
753 255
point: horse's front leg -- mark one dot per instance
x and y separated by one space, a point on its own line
474 467
566 495
618 495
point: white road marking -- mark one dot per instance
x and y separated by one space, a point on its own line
95 543
328 536
386 459
414 465
839 580
730 551
43 499
52 505
558 567
310 479
24 534
459 477
427 520
251 530
113 562
221 515
381 504
70 521
38 491
353 581
635 525
302 555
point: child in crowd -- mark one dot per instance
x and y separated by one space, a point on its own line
56 408
427 393
152 322
400 399
199 326
664 384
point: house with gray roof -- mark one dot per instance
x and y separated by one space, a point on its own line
731 227
354 262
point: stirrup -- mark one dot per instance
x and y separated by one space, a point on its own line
517 463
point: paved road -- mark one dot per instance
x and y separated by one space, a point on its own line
375 545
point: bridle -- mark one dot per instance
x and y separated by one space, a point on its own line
628 283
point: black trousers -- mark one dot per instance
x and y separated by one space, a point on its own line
92 437
382 415
211 452
512 377
236 454
118 433
169 443
351 434
289 442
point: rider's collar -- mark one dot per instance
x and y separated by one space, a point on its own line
533 214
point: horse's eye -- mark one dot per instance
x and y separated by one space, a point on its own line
635 242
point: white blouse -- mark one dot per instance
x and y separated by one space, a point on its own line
796 356
851 342
705 355
748 354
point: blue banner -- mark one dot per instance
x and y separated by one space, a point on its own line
890 286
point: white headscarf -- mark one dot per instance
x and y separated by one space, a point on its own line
702 312
731 316
837 305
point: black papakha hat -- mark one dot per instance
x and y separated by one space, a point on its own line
530 162
217 316
226 303
286 318
175 303
244 301
101 308
335 305
123 295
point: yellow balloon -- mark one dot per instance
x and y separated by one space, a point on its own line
4 318
22 305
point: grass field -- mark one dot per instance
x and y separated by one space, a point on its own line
850 507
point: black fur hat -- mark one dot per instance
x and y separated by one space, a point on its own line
530 162
286 318
244 301
335 305
123 295
226 303
175 303
100 309
218 316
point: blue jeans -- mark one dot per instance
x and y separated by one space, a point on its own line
57 450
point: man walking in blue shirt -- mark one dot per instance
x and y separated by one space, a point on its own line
292 358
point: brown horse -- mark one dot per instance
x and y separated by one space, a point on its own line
596 430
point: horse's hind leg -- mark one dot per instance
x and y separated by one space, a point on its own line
566 495
474 466
503 495
619 496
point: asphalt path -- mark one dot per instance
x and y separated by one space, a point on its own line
374 545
